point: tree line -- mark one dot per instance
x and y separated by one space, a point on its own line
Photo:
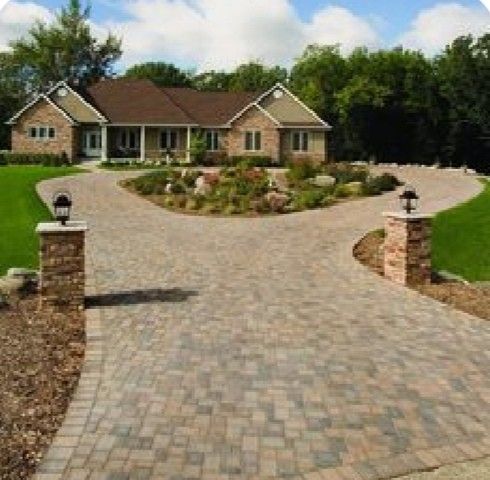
386 106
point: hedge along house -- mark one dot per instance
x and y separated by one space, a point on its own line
125 118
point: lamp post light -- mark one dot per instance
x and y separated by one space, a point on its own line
409 199
62 204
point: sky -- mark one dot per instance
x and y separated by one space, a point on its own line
221 34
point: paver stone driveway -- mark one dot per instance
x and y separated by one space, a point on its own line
228 348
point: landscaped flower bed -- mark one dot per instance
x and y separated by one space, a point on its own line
248 190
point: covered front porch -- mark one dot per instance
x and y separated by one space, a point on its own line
141 143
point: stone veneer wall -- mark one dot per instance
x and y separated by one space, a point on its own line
407 249
62 265
44 114
254 119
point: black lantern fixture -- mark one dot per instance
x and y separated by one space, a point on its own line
62 206
409 199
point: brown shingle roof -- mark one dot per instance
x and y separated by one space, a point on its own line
137 102
210 108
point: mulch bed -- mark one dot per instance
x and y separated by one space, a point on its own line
40 361
472 299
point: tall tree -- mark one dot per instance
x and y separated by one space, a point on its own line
255 77
316 77
212 80
66 49
463 71
13 94
161 73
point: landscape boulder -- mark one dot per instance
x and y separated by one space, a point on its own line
277 201
203 189
324 181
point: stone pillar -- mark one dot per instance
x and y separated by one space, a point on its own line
407 248
62 266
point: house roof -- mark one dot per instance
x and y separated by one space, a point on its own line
210 108
141 102
125 101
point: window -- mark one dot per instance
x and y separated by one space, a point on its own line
253 141
41 133
301 141
212 141
129 138
168 140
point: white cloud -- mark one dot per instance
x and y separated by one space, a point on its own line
438 26
221 34
16 18
338 25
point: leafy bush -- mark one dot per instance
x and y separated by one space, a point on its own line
250 161
383 183
346 173
308 199
153 183
342 191
45 159
198 148
301 170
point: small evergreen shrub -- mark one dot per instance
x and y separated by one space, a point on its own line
45 159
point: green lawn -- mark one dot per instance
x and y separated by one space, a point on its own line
461 243
20 211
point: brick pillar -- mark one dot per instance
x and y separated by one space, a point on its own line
62 264
407 248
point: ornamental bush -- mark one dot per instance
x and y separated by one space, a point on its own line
45 159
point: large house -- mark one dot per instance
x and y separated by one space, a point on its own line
125 118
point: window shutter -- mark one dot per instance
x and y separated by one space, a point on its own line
296 141
305 142
248 141
258 141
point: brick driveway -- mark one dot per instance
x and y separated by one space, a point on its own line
258 348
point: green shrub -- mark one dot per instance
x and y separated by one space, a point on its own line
308 199
178 188
3 160
342 191
250 161
346 173
383 183
301 170
45 159
153 183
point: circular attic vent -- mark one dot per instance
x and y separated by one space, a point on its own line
62 92
278 93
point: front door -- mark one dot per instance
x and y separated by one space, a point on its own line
91 143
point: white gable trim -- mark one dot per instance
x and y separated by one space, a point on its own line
63 84
269 92
297 100
40 97
249 107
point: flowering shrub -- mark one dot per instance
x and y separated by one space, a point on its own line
251 190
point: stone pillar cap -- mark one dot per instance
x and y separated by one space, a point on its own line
408 216
56 227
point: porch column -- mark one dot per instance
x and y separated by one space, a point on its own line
143 144
188 152
103 143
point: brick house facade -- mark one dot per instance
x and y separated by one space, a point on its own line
43 114
136 119
254 121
